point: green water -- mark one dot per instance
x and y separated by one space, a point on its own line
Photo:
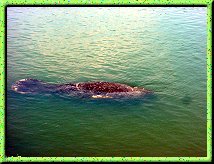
161 49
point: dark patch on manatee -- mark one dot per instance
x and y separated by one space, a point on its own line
100 89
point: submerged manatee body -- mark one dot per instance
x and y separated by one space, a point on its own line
87 89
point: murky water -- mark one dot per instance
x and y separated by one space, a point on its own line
161 49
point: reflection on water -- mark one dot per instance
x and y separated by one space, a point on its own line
160 49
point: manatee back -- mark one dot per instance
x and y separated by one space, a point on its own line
105 87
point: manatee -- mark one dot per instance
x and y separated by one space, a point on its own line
98 89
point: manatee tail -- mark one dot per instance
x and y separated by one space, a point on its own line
29 85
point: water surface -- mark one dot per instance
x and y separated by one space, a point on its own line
162 49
